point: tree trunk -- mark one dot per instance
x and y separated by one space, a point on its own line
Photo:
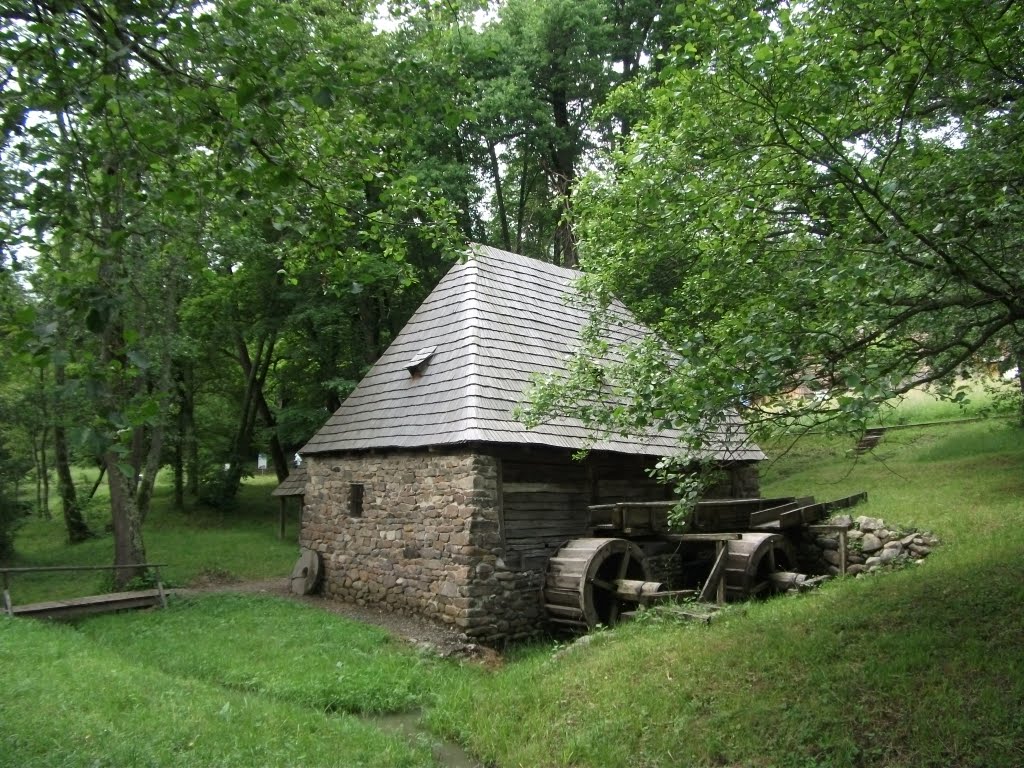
99 479
521 209
247 418
499 196
277 454
127 522
42 474
190 445
42 511
151 466
74 522
563 176
1019 360
178 464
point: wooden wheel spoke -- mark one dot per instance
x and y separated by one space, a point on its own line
602 584
623 566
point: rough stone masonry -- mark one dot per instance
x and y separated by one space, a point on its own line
419 530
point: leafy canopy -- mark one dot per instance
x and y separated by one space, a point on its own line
819 198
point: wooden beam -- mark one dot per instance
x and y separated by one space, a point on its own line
85 606
55 568
717 572
698 537
774 513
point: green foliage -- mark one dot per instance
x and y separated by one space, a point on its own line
238 178
819 208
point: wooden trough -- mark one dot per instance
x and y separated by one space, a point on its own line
740 548
76 607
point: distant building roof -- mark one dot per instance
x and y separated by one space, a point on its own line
293 485
464 360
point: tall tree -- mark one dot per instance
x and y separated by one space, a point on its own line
543 70
164 144
818 196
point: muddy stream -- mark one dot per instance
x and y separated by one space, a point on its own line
407 724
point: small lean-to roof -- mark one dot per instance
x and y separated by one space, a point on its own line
462 363
293 485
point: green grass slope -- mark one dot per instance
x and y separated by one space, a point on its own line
921 667
67 700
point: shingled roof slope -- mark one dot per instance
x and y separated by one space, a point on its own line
493 321
293 485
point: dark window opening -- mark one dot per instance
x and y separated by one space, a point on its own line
355 499
418 364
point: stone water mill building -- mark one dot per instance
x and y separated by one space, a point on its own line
425 494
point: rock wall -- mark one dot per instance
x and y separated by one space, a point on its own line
421 531
871 544
426 539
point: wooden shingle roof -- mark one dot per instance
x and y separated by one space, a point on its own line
293 485
463 361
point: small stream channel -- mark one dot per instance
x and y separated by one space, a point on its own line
408 724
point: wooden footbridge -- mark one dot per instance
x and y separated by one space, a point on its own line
76 607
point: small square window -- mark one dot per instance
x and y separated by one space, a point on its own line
355 499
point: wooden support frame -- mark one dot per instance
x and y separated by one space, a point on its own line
842 531
716 579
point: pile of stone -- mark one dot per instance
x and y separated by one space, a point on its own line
872 544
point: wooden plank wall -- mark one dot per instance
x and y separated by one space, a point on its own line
545 495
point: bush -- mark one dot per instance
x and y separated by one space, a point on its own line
12 512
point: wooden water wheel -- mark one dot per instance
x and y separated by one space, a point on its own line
591 581
752 558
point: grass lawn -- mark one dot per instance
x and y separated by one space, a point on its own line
70 700
237 543
918 667
983 396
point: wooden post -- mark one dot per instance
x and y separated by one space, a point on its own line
7 597
842 552
160 587
720 554
716 579
284 508
841 531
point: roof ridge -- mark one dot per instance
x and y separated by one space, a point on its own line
473 396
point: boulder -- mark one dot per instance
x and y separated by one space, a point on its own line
870 543
868 524
888 555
